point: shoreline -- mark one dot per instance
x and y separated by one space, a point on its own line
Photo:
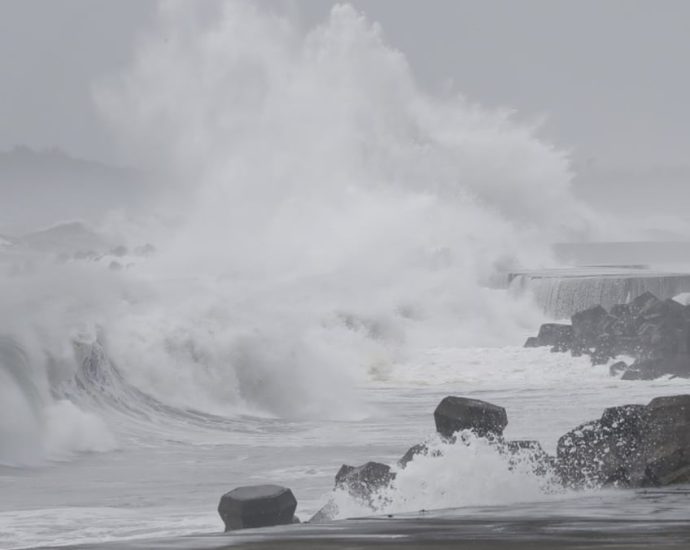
437 531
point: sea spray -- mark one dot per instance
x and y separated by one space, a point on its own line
470 471
320 183
323 219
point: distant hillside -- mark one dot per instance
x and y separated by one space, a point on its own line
66 237
39 188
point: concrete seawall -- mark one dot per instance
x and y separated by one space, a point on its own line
562 292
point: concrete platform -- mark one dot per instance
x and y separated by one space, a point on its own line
562 292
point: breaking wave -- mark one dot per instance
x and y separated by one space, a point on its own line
322 217
470 472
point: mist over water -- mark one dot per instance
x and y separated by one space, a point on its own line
323 219
319 255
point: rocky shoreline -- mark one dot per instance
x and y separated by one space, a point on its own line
655 333
630 446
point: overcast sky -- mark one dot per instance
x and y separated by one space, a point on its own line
610 76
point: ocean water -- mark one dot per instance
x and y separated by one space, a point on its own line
331 246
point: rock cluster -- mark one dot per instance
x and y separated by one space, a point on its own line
656 333
453 416
632 445
629 446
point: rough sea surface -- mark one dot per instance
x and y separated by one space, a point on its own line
325 259
167 479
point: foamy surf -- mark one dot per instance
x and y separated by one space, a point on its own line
331 244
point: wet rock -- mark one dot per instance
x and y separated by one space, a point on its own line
460 413
655 332
419 449
328 512
603 350
632 445
257 506
666 442
650 369
669 310
627 420
621 311
532 342
627 345
362 481
529 452
605 451
617 368
559 336
587 326
556 335
642 302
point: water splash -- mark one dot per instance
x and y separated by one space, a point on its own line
322 218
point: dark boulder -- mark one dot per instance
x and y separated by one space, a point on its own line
627 420
623 323
655 332
555 335
643 302
532 342
649 369
627 345
327 513
669 310
587 326
559 336
460 413
527 452
418 449
633 445
603 350
362 481
605 451
618 367
257 506
666 442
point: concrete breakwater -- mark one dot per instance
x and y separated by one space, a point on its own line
563 292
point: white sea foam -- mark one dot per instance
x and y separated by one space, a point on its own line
325 220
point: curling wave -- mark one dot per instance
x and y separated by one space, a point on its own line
322 218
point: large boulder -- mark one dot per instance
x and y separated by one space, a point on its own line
666 442
460 413
412 452
257 506
604 451
362 481
587 326
633 445
649 369
557 336
529 453
655 332
642 303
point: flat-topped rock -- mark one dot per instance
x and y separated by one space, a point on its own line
257 506
461 413
632 445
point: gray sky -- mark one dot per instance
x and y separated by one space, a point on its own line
610 76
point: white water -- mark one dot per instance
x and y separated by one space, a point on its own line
329 241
